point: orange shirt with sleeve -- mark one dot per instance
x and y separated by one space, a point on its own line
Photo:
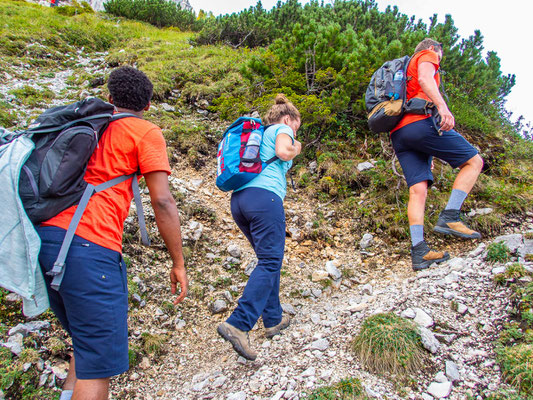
127 145
413 87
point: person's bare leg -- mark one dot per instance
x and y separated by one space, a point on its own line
421 255
91 389
449 222
467 176
417 203
71 379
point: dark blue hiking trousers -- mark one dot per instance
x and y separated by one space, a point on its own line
260 216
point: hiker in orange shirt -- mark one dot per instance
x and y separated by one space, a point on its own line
416 140
92 302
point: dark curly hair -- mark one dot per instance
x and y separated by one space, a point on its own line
130 88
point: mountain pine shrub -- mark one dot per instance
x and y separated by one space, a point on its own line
156 12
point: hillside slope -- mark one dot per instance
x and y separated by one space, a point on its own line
49 59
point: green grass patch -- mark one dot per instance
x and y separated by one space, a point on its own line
505 395
516 363
153 343
8 117
17 384
346 389
512 273
388 343
32 97
498 252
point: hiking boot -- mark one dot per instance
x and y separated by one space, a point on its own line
450 223
276 330
238 339
422 256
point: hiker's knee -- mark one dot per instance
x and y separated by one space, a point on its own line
475 163
419 190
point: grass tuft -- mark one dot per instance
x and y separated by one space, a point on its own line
153 343
389 343
346 389
498 252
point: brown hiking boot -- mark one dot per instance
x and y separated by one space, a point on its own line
450 223
422 256
276 330
238 339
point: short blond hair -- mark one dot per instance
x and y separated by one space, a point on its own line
280 109
426 44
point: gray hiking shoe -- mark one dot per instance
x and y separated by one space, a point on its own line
276 330
422 256
238 339
450 223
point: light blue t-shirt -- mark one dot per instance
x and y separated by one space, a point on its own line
273 176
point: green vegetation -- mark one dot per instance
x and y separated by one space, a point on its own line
153 343
514 347
516 362
32 97
343 43
17 384
498 252
160 13
346 389
8 117
505 395
389 343
74 9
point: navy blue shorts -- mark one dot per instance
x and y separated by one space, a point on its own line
92 303
415 145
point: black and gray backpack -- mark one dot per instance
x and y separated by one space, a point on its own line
386 95
52 179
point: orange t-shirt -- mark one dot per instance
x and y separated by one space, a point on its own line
413 87
127 145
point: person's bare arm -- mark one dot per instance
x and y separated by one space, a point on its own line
168 223
426 73
285 149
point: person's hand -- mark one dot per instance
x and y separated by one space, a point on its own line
179 274
298 146
447 120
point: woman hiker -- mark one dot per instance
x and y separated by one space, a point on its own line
257 208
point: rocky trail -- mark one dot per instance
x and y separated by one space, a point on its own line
332 279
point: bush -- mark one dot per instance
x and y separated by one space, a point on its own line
156 12
389 343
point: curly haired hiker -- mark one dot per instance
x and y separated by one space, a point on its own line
92 302
416 140
257 208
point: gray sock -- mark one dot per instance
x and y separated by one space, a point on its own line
66 395
417 234
456 200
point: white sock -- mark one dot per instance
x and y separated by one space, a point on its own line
66 395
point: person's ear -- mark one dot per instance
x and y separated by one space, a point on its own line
147 107
109 98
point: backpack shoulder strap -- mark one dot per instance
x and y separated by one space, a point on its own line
121 115
58 269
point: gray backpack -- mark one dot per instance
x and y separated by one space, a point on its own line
52 178
386 95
